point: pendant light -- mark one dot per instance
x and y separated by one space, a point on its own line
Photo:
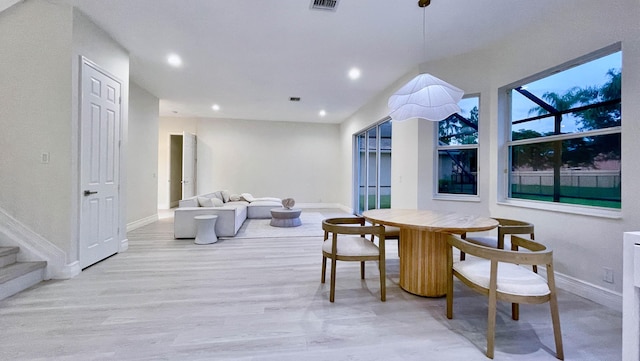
425 96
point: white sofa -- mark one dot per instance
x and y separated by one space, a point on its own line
232 210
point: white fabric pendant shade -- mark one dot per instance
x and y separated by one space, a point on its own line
426 97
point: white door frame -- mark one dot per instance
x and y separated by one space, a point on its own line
189 165
170 151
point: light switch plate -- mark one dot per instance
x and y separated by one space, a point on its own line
44 157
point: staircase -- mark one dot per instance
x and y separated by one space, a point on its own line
17 276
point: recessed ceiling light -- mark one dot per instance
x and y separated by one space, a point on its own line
354 73
174 60
322 113
215 107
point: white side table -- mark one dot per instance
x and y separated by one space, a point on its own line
206 229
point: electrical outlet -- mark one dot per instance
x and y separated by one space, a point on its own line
608 275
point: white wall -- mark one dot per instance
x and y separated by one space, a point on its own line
41 45
266 159
278 159
142 160
35 117
405 140
583 244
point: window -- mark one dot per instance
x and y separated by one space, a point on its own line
565 130
458 150
372 160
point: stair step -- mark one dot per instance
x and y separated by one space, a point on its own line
19 276
8 255
7 273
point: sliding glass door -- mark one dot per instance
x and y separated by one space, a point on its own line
372 170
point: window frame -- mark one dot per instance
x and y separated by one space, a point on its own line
505 142
437 195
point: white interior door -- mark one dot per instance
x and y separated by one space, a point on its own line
188 165
100 122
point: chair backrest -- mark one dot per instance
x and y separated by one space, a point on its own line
351 225
538 254
512 226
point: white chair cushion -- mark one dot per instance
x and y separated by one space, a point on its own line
512 279
352 246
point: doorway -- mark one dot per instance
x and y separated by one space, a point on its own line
182 167
175 169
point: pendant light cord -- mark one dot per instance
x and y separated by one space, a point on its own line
424 33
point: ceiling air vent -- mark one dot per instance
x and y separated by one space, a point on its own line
330 5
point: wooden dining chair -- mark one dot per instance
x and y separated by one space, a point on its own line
499 274
505 227
346 239
391 232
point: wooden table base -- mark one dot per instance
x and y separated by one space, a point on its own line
423 262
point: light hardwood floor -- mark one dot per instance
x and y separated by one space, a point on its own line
261 299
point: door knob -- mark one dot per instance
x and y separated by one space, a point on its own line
88 193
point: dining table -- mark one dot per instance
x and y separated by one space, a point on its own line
422 246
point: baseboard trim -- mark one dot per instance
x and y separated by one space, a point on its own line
69 270
324 205
597 294
124 245
142 222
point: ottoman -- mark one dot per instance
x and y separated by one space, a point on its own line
283 217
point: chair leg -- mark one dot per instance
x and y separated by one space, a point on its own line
450 297
555 319
449 283
493 303
362 270
383 281
555 315
462 256
324 268
515 311
491 324
332 291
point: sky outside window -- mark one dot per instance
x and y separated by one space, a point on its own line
591 74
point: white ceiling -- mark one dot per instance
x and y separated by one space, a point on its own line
250 56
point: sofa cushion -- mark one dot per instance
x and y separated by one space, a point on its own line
190 202
226 196
209 202
235 198
247 197
218 195
261 209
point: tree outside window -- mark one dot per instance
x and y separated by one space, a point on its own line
566 146
458 150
